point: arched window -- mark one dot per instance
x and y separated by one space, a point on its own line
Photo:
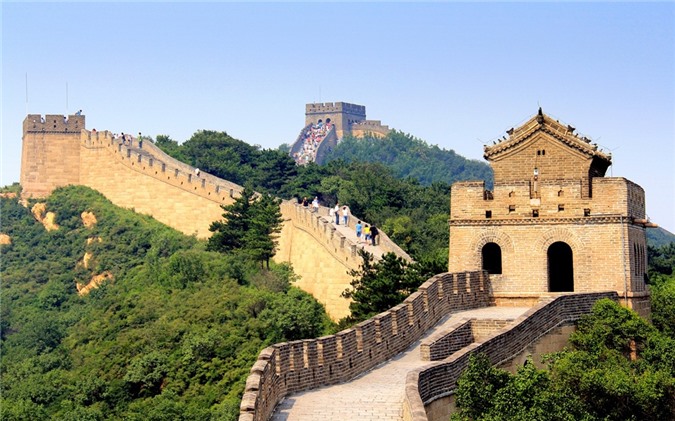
492 258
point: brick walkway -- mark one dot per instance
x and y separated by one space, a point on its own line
378 394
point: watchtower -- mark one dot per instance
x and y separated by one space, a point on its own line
50 154
341 114
553 223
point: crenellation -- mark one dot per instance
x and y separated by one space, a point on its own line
53 123
340 357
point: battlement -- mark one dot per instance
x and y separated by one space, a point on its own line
300 365
53 123
335 107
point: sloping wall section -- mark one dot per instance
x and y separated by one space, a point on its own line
58 151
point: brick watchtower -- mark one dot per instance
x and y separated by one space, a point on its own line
553 223
50 153
342 114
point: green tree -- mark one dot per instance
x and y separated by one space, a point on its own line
619 368
379 286
251 225
265 223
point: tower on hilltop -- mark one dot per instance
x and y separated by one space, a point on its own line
50 153
326 124
553 223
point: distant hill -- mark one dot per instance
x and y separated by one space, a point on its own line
408 156
659 237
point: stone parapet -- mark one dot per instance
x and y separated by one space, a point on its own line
439 379
300 365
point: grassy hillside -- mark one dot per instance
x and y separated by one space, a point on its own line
170 335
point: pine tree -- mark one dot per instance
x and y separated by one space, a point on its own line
251 226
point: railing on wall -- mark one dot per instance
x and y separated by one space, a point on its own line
300 365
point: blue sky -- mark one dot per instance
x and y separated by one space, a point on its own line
453 74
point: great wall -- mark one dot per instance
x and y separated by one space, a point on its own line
598 228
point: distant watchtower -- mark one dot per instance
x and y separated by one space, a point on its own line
50 154
554 223
342 114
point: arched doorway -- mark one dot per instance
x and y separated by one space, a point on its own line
492 258
560 268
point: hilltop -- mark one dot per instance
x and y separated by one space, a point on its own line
408 156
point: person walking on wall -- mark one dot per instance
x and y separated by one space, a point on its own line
337 213
140 141
315 204
359 228
345 214
366 233
373 234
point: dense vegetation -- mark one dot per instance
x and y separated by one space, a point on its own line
658 237
171 336
619 367
409 157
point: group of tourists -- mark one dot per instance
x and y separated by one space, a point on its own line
369 233
311 140
128 139
343 213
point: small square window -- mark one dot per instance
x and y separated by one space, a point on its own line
561 208
512 208
587 212
535 213
488 214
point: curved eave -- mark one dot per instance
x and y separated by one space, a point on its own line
555 130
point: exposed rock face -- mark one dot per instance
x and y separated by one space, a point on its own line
95 282
47 219
86 259
8 195
88 219
93 240
5 239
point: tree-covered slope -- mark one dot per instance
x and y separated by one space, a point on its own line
408 156
659 237
171 335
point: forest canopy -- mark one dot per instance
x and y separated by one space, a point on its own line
170 334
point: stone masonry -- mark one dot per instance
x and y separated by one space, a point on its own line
553 222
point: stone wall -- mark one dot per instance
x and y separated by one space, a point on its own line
153 184
291 367
439 379
324 269
58 152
